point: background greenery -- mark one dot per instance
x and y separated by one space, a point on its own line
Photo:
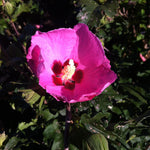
119 118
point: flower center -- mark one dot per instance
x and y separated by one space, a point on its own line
66 74
68 71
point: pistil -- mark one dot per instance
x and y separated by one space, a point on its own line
68 71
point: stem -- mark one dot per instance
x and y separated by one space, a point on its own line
67 125
15 29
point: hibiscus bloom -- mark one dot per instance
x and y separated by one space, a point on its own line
70 63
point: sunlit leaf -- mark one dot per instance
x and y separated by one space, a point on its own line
24 125
3 137
30 96
9 7
41 102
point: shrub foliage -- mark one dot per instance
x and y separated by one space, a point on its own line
118 119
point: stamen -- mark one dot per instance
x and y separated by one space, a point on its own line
66 75
68 71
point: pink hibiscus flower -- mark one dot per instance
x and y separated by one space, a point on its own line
70 63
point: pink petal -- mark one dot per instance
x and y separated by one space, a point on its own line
45 79
90 51
33 58
94 82
84 97
55 91
55 45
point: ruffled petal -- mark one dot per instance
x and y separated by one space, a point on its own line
90 51
55 45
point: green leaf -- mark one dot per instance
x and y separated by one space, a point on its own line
3 26
73 147
135 93
24 125
63 112
51 131
30 96
3 137
53 135
140 37
95 142
116 110
47 115
1 3
23 7
89 6
41 102
9 7
110 8
58 142
11 143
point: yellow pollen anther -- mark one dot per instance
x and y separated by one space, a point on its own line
68 71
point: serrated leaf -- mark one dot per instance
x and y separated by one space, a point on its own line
24 125
110 8
30 96
23 7
88 7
